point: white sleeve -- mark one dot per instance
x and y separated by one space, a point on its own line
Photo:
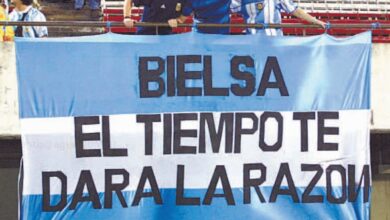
40 30
235 6
288 6
13 16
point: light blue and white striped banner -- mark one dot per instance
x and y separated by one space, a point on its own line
195 126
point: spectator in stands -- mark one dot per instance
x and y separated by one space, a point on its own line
206 11
154 11
24 11
4 4
6 32
269 12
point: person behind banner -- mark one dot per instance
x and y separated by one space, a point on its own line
6 32
206 11
154 11
24 11
269 12
4 4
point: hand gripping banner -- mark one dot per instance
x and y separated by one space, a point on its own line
195 126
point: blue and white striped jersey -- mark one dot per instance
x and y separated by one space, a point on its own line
33 14
263 11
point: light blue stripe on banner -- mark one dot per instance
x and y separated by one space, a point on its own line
99 75
283 209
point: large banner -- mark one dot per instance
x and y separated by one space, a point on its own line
195 126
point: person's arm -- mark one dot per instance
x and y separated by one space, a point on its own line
300 13
39 31
179 20
127 21
185 12
235 6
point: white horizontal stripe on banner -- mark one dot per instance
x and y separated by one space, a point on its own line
49 145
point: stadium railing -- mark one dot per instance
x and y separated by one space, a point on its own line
379 35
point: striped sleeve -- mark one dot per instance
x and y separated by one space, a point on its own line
41 31
235 6
288 6
13 16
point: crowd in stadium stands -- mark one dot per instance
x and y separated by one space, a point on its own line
24 10
214 11
174 12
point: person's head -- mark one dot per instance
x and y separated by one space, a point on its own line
4 4
22 2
